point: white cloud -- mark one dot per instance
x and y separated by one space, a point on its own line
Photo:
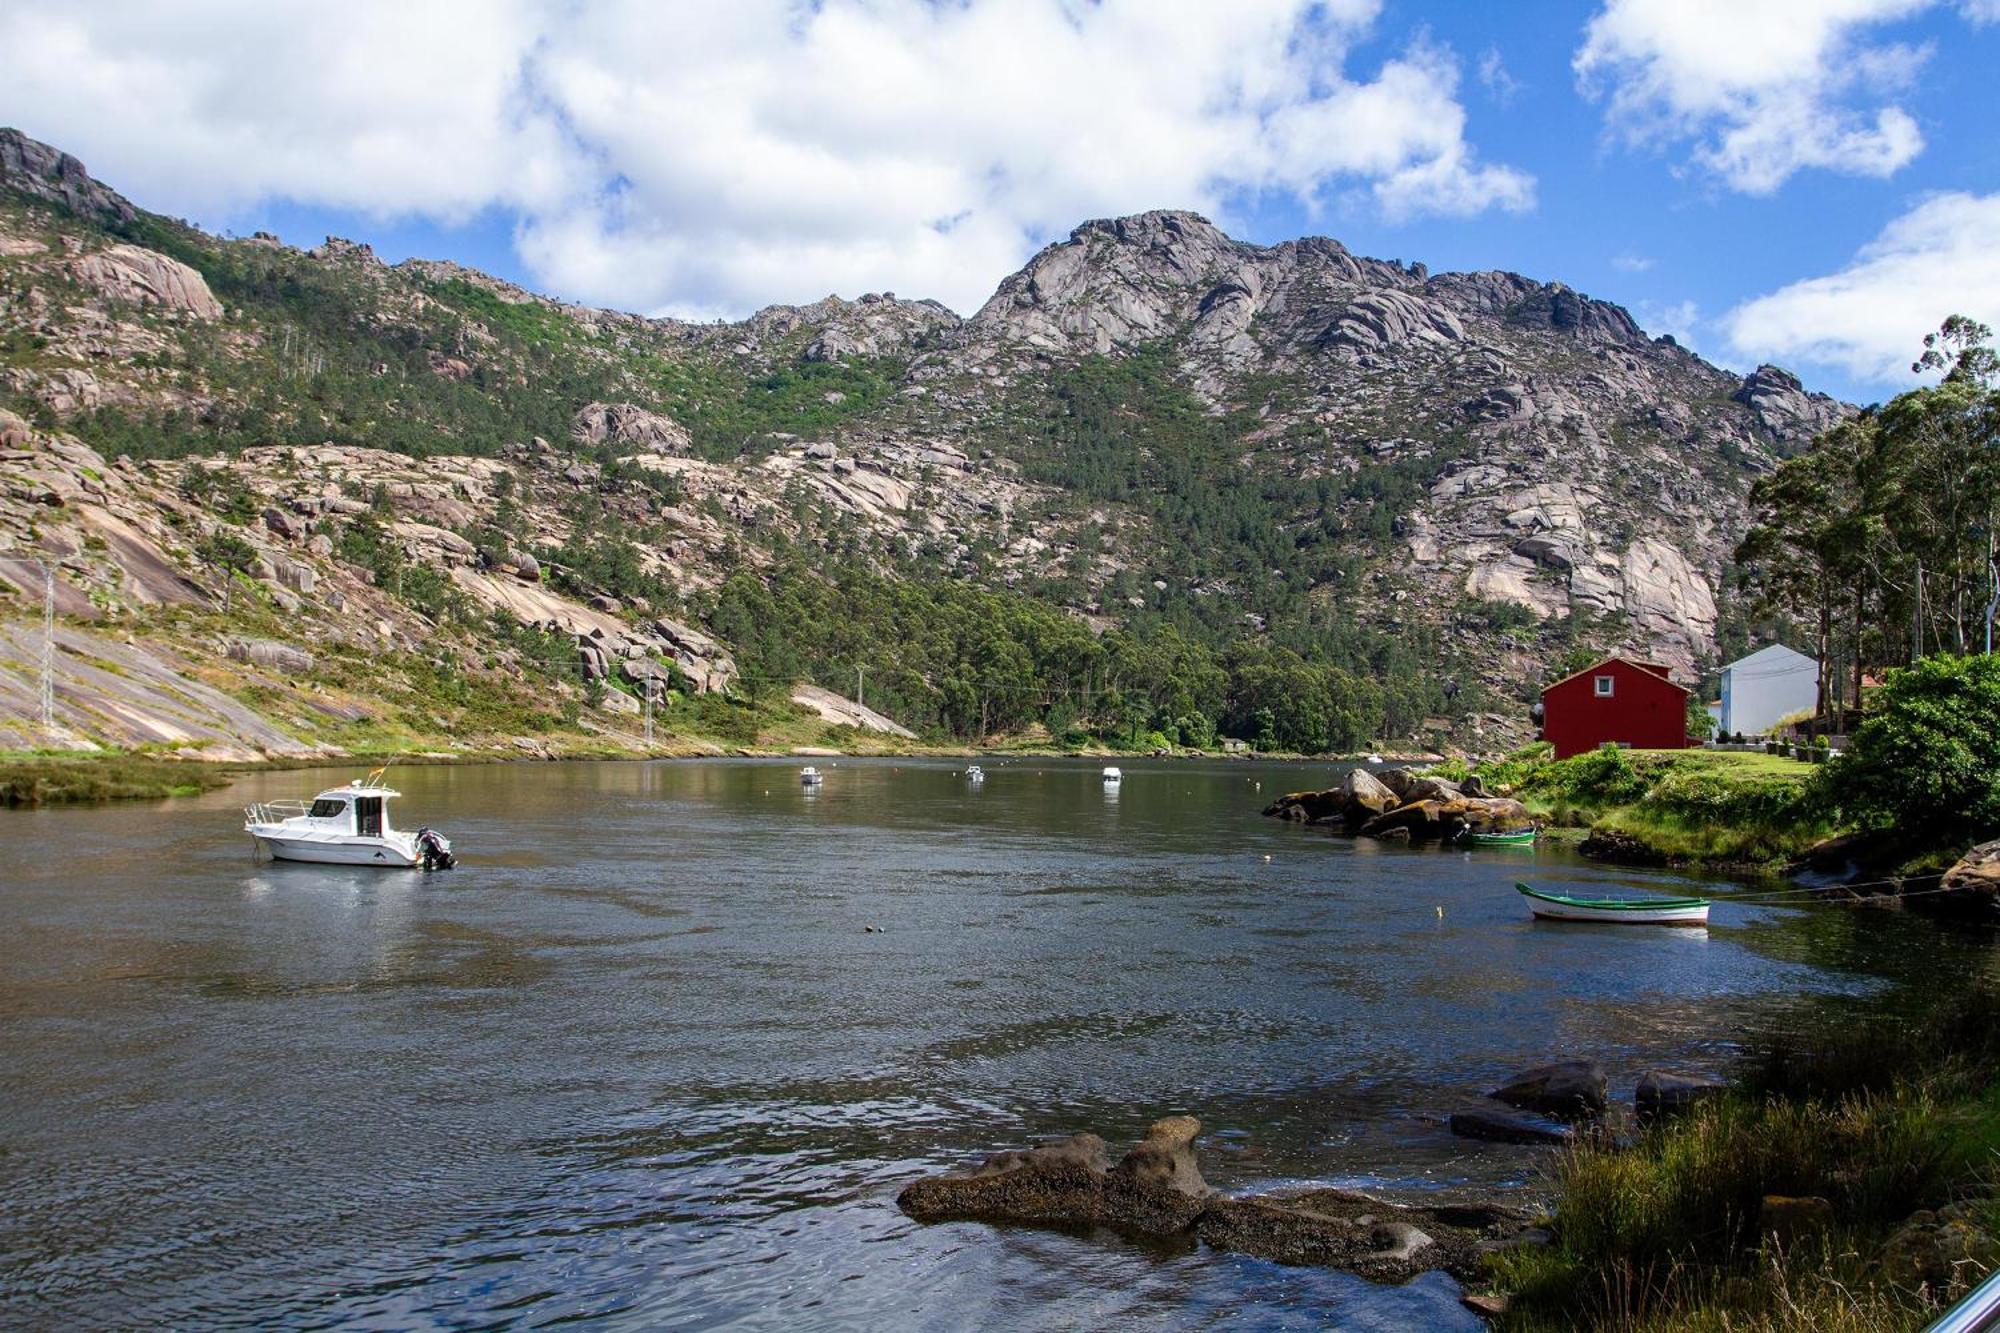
1632 263
1980 11
1869 319
1761 88
1501 85
1679 318
713 158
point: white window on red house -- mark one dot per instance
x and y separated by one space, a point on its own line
1605 684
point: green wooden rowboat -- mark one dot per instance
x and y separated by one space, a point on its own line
1617 911
1517 838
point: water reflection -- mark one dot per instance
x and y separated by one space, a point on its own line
666 1045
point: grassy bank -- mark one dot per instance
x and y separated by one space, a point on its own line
1881 1132
28 780
1677 806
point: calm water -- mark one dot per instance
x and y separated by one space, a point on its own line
641 1061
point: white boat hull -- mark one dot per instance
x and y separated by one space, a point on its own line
347 852
1663 916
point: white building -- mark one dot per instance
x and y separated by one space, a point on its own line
1769 684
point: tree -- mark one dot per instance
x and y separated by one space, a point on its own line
1882 533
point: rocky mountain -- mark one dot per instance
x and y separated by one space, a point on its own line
1450 477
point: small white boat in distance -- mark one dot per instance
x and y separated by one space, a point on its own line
974 773
345 826
1374 759
1112 776
810 776
1617 911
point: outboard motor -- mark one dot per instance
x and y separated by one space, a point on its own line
435 849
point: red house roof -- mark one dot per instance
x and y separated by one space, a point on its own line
1660 669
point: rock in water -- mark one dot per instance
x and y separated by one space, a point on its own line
1567 1088
1660 1094
1366 795
1976 875
1164 1159
1156 1189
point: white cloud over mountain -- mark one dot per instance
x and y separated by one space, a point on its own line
1762 89
1869 319
712 158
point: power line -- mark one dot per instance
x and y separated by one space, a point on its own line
48 652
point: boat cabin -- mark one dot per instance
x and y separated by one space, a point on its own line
355 809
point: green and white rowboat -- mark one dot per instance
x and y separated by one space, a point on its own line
1517 838
1617 911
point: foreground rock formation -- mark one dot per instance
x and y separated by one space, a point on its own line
1403 806
1156 1189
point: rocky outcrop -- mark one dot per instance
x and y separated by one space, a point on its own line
1784 408
631 426
270 653
845 712
1403 806
1379 320
1944 1250
42 172
145 277
1974 879
1157 1190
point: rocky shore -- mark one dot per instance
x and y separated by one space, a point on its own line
1157 1190
1404 805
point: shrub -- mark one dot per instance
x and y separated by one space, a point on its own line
226 550
1928 754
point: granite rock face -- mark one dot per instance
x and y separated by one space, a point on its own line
1544 454
143 277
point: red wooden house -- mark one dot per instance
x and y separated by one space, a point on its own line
1618 699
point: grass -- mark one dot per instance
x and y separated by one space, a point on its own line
1682 806
34 779
1880 1115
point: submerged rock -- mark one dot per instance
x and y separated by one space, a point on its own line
1496 1126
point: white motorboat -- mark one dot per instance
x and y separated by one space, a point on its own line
1112 777
1374 758
810 776
974 773
345 826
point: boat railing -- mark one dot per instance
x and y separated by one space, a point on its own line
1980 1310
272 812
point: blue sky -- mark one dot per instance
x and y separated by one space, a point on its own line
1815 182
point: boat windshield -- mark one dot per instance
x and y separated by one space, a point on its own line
326 808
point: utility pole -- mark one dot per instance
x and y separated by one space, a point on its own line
860 697
649 713
48 654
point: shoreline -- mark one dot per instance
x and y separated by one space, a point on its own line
33 779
